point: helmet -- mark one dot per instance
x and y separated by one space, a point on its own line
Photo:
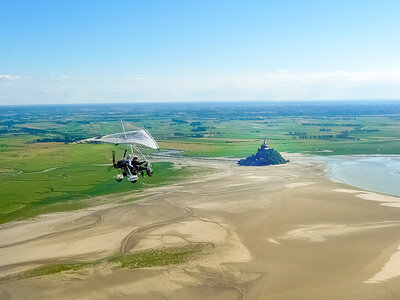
129 156
135 157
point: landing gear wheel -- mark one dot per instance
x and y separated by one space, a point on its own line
119 177
133 178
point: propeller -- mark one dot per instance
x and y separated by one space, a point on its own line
111 167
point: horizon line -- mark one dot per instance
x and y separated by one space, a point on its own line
203 101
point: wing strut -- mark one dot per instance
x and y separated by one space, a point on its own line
133 145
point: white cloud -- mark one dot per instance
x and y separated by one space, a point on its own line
291 85
136 78
9 77
276 85
291 77
55 77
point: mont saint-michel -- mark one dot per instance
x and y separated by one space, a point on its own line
265 156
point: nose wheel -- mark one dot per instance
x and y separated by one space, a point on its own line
119 177
133 178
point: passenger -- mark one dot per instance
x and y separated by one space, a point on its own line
128 162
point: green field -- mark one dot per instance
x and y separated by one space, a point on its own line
47 177
42 171
372 135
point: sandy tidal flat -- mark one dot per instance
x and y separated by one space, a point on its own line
279 232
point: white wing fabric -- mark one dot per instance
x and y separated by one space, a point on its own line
141 137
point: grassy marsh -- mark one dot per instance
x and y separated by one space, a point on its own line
138 259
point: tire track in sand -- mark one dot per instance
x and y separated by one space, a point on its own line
99 219
131 239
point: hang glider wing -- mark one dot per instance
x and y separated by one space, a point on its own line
139 137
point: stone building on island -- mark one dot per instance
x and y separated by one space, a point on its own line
265 156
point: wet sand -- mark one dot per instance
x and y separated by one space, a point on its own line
279 232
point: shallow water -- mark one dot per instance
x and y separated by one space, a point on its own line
374 173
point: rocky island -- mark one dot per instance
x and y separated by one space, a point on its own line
265 156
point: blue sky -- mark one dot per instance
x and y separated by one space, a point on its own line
127 51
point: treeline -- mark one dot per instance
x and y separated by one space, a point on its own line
200 128
27 130
332 124
357 130
184 135
305 136
64 139
33 131
10 123
179 121
71 121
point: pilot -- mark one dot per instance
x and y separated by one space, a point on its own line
138 165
